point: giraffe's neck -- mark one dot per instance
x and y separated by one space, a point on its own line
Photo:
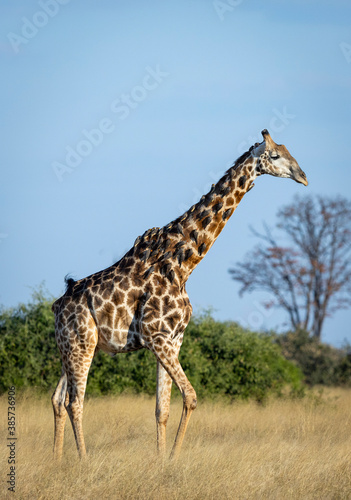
177 248
202 224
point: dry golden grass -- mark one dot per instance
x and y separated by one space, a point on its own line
284 450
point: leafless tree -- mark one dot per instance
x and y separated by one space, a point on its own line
309 273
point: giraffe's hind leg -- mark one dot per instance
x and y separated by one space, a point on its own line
163 397
59 400
77 367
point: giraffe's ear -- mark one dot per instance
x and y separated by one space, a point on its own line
270 144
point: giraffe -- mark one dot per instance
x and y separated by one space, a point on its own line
141 301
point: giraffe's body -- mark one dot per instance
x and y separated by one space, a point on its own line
141 301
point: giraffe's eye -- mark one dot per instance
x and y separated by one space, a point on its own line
274 156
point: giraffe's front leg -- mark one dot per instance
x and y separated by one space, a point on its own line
171 364
163 398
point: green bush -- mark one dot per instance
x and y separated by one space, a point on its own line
224 358
28 352
133 372
220 358
320 363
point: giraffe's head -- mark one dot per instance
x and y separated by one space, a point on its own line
275 159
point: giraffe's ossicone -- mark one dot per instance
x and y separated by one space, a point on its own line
141 301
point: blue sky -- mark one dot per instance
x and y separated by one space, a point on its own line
157 99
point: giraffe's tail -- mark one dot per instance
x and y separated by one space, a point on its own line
70 282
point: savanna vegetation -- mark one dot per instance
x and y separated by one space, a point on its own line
220 359
296 449
296 445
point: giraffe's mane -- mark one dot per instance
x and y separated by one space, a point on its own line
243 157
174 227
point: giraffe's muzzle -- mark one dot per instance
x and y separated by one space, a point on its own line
299 175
